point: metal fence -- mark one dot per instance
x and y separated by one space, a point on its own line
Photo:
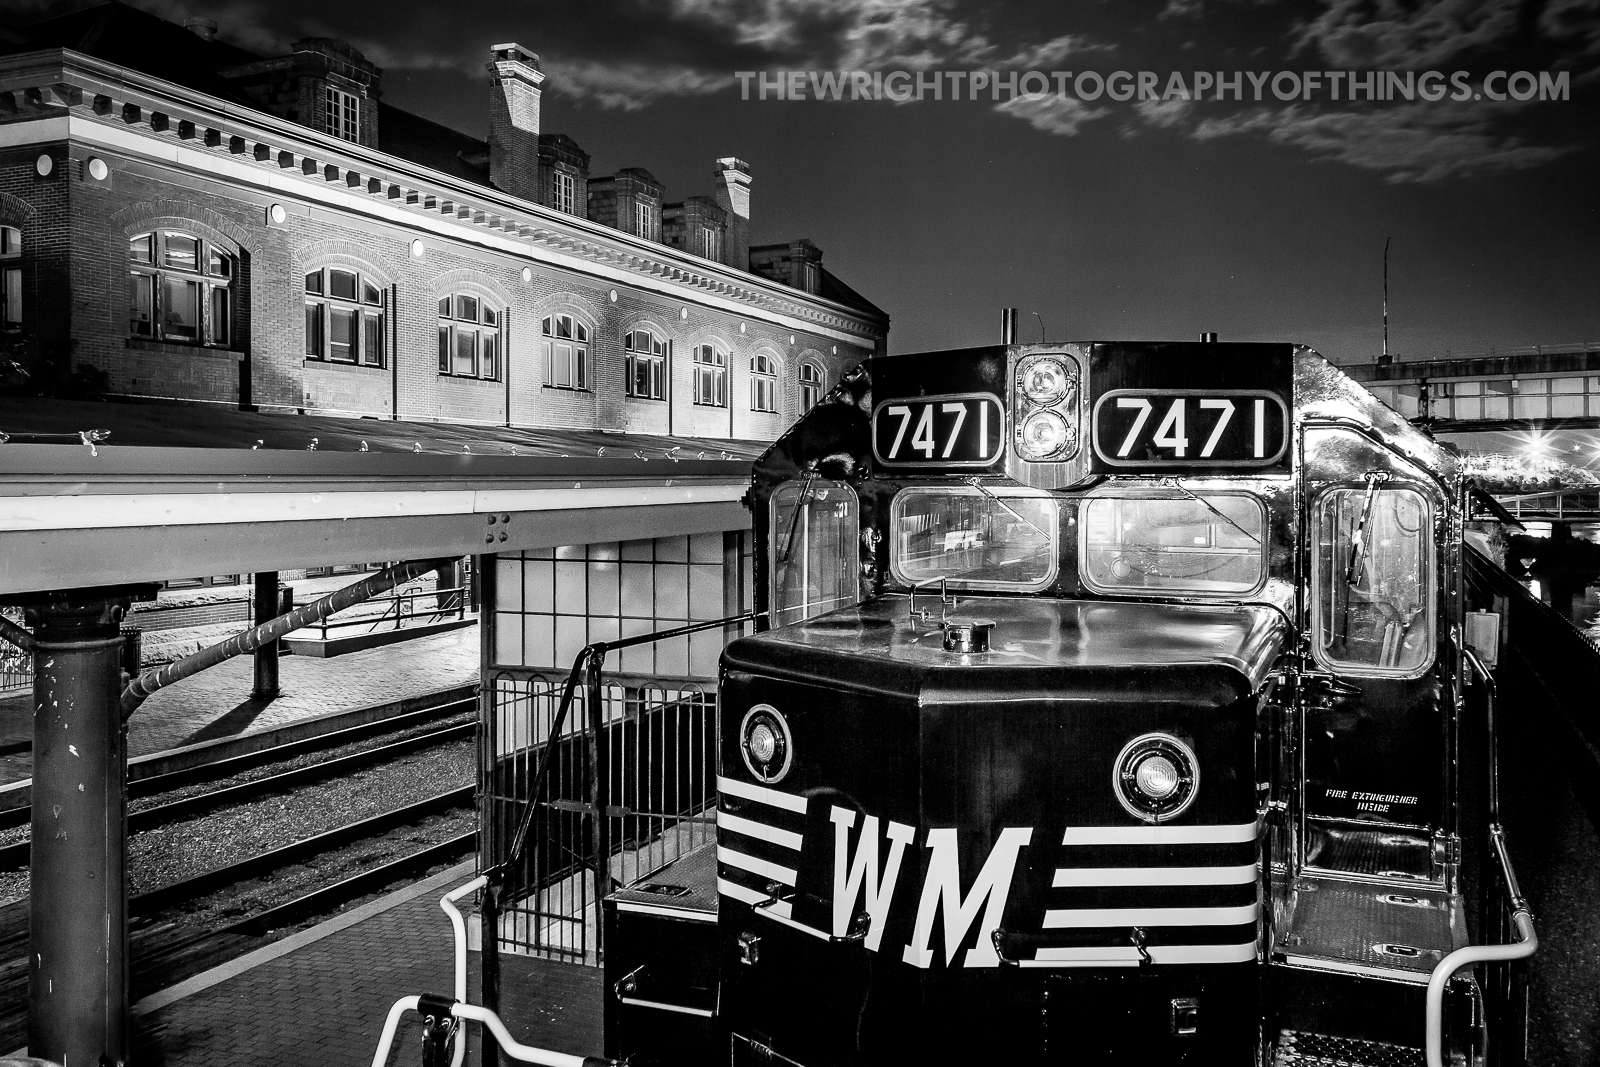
16 665
630 785
398 611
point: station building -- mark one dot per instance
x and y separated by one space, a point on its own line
181 219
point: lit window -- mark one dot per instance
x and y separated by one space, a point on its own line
566 352
342 114
711 243
469 337
564 193
763 384
10 278
644 217
710 376
180 289
810 386
1144 543
647 365
344 317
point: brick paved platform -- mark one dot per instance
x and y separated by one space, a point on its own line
321 996
217 702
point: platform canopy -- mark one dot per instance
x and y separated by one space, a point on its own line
176 491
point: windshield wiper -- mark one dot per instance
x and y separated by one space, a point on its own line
794 520
1203 502
1358 546
980 487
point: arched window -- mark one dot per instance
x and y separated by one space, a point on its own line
566 352
10 278
710 376
810 386
763 383
647 364
345 317
469 337
181 289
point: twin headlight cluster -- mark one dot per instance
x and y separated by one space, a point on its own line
1046 409
1155 777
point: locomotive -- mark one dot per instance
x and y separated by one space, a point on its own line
1112 706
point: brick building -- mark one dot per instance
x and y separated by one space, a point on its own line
182 219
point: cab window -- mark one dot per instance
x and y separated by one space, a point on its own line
1372 585
1195 544
812 549
978 537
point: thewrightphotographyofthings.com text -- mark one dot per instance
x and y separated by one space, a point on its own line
903 86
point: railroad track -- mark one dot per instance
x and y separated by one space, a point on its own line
164 949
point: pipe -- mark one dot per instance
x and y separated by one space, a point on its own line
1526 945
161 677
516 1049
1492 692
390 1025
1008 326
17 635
459 926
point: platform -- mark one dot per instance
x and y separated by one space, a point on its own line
320 996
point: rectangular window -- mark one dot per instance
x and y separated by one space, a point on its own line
342 114
467 308
466 353
139 249
218 327
490 345
644 218
564 193
314 331
180 252
342 284
372 340
341 335
180 300
1372 581
11 296
763 393
141 305
1000 538
444 350
1205 545
815 534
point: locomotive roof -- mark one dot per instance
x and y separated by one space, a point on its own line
1104 651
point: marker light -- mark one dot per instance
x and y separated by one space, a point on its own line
1043 381
765 744
1044 435
1155 777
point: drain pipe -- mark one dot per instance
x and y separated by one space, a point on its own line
161 677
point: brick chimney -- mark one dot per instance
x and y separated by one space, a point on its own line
732 194
514 120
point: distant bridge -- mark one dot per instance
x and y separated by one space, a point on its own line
1567 505
1543 388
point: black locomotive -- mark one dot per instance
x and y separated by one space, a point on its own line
1113 708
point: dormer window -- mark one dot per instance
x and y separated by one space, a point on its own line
711 244
644 215
564 193
342 114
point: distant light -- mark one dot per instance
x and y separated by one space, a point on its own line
416 247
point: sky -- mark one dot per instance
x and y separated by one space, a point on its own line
1097 219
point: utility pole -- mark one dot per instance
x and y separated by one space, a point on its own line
1385 357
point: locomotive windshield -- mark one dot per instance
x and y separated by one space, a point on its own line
978 537
1373 581
814 557
1210 544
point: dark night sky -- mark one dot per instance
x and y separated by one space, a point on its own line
1259 221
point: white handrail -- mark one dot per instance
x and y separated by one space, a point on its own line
458 925
1527 944
472 1012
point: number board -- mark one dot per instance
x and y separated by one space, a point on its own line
1232 428
955 430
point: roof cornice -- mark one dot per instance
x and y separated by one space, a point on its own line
56 81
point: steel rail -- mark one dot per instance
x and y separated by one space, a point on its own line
17 855
224 768
210 881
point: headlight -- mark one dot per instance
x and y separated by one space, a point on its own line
1043 381
765 744
1044 435
1156 777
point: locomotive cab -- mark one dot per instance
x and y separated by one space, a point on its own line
1108 709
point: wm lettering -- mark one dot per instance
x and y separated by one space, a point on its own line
941 892
853 876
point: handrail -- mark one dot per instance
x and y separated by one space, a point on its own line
1492 693
459 927
1526 945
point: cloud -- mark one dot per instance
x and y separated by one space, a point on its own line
1413 143
1385 33
1164 114
1061 116
631 86
1048 55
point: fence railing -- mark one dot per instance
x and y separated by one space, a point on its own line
589 784
400 610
